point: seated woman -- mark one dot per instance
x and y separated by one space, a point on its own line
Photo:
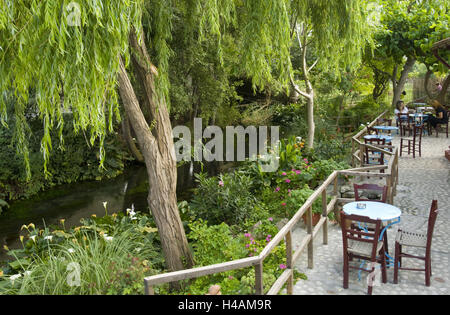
441 115
401 110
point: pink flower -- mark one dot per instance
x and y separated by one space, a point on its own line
277 189
298 172
247 234
230 277
283 266
247 245
288 180
284 174
270 219
221 183
283 204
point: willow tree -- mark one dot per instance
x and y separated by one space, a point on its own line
100 58
330 35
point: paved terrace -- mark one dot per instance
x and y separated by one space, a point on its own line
420 181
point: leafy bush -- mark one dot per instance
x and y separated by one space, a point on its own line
226 198
216 244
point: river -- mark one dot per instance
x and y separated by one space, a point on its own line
72 202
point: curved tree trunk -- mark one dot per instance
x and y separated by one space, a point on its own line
399 86
158 150
443 93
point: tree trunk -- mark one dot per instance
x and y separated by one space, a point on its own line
127 134
443 93
158 150
398 87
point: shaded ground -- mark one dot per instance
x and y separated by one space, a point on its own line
420 181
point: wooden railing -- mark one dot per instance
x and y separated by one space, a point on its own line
287 277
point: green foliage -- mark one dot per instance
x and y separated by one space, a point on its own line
215 244
113 252
227 198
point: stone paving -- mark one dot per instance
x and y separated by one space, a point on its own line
420 181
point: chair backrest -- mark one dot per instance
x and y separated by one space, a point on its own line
372 131
417 132
352 227
386 121
373 187
431 222
374 141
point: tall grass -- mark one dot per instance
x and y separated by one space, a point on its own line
96 258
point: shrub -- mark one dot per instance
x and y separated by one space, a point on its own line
227 198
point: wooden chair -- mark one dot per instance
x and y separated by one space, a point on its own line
358 243
372 156
402 121
372 187
372 131
418 240
384 121
444 125
413 144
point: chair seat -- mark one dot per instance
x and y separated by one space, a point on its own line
362 248
409 238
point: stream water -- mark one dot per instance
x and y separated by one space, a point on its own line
72 202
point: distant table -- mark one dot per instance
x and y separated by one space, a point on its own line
385 128
385 137
418 115
425 108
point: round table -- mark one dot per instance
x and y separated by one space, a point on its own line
418 115
377 211
385 128
374 210
385 137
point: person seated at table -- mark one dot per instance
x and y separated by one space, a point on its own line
441 114
401 108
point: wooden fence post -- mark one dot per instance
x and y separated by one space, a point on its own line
259 281
289 263
325 214
309 228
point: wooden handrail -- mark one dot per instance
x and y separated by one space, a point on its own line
285 233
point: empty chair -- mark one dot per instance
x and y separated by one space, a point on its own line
372 156
362 244
382 190
371 187
416 239
413 144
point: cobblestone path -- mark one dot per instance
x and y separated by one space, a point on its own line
420 181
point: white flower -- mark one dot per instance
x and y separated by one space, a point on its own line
33 238
131 213
104 204
50 237
14 277
71 250
107 238
27 273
